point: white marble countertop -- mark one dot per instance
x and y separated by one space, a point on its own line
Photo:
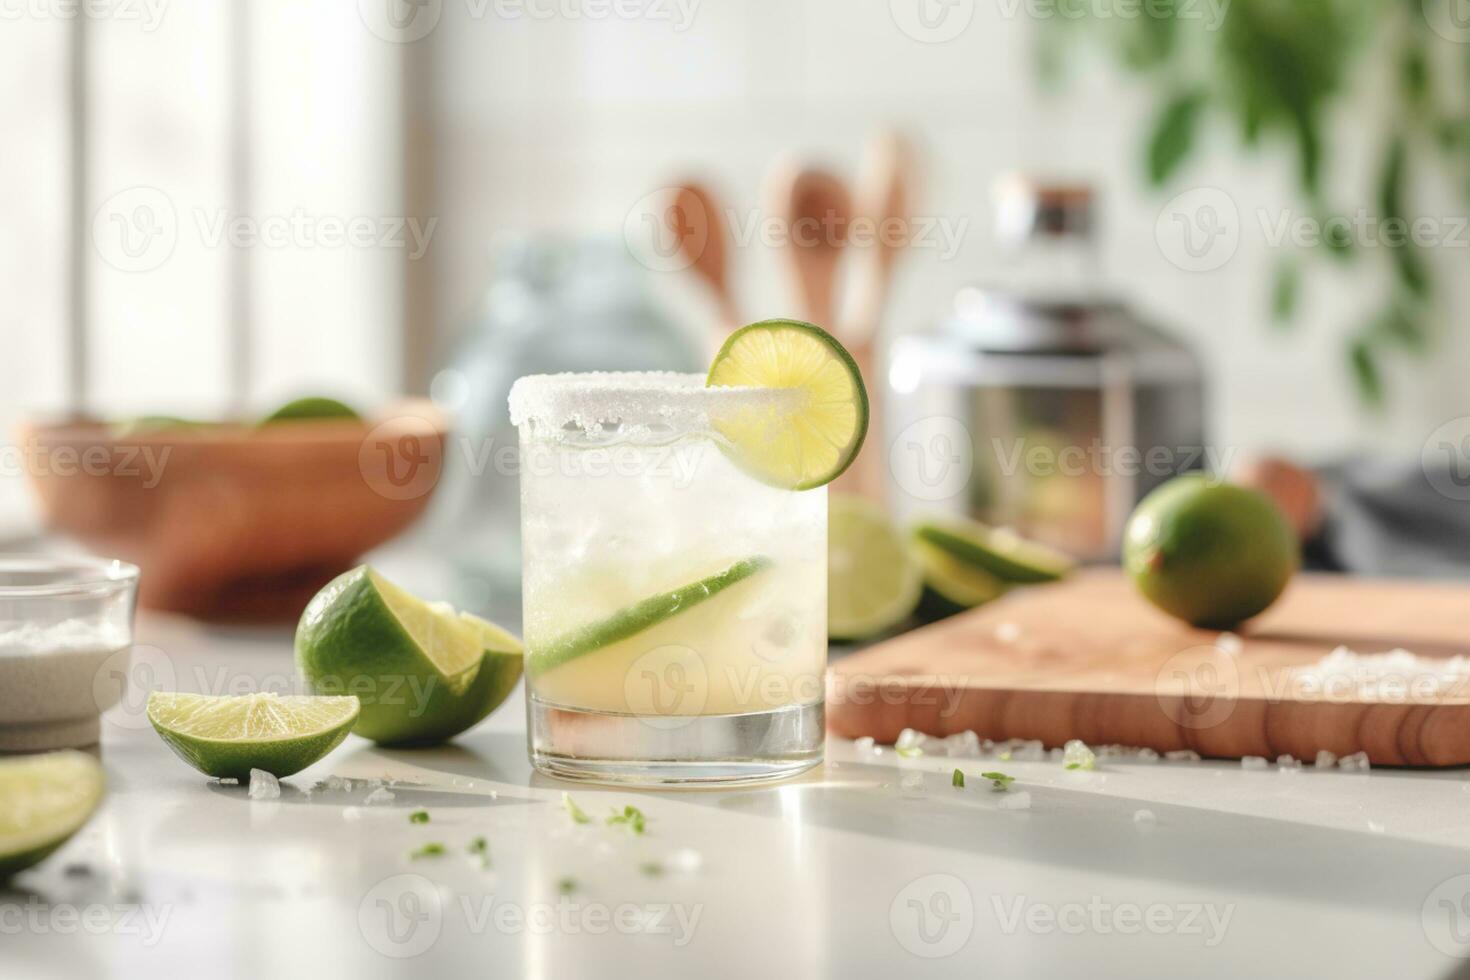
871 866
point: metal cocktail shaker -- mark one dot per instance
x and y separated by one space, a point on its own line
1042 403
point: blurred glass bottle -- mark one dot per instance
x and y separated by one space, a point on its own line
552 305
1072 407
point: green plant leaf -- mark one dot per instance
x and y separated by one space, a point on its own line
1173 136
1364 362
1285 291
1407 261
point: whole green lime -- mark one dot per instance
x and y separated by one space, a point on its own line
422 672
1212 554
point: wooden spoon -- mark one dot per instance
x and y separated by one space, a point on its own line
816 208
884 195
699 225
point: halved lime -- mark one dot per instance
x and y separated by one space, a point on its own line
422 671
873 583
227 737
312 407
813 445
638 617
956 582
44 800
1002 553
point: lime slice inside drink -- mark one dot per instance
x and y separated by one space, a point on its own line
422 671
640 616
226 737
1002 553
44 800
809 446
873 583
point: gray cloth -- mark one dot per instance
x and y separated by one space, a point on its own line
1387 519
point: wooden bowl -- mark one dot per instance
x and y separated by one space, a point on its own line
235 521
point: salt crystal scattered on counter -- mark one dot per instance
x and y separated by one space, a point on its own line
1253 763
1016 801
1357 762
910 739
1229 643
379 795
1147 755
1182 755
1325 759
1077 755
1144 816
914 780
1032 751
264 786
864 744
229 781
963 745
1287 763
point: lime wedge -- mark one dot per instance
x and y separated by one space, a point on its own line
44 800
956 582
314 407
227 737
812 445
638 617
873 583
1002 553
423 671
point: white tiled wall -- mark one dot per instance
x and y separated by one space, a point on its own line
566 123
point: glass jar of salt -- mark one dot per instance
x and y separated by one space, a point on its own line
66 629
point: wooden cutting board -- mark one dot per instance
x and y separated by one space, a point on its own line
1088 658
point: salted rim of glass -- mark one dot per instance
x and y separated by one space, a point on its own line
667 401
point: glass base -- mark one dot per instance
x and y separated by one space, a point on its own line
674 750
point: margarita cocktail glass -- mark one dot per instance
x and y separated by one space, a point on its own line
675 606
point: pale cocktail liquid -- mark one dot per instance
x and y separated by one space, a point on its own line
675 606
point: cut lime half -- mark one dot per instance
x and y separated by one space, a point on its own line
314 407
808 446
226 737
422 671
873 583
44 800
1002 553
640 616
958 583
